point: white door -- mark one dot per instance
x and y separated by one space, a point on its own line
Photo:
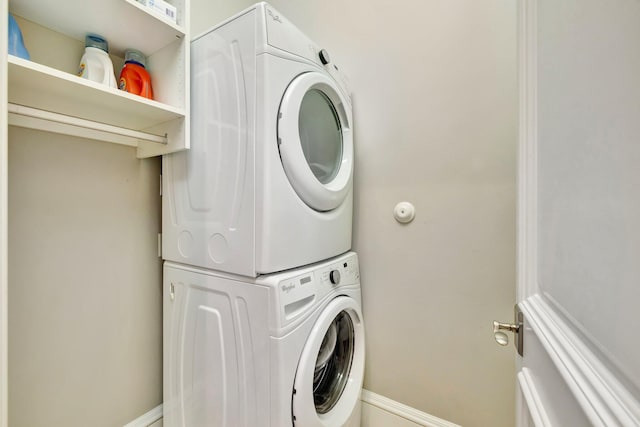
315 140
579 213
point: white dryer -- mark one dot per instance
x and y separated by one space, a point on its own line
267 183
281 350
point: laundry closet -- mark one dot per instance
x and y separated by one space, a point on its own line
84 204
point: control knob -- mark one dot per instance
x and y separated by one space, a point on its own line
324 57
334 276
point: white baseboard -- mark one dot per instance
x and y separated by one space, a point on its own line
386 409
148 419
391 408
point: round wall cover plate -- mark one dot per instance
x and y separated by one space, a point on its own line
404 212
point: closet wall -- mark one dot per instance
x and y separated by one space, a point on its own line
435 113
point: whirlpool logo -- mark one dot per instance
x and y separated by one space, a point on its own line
287 288
274 17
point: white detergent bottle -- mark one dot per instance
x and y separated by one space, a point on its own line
95 64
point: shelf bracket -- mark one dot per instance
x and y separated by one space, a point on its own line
48 121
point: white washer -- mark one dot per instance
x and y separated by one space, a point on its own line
267 183
281 350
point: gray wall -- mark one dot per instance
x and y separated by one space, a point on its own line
85 312
435 103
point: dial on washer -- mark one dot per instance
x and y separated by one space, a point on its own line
334 276
324 57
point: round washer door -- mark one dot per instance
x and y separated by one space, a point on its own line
315 140
331 368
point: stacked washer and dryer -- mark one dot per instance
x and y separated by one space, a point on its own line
262 306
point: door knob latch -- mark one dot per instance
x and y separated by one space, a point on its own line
500 329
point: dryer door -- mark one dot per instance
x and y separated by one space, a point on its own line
331 368
315 140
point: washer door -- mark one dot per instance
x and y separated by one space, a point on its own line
331 368
315 140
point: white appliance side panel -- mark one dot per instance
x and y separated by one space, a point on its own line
208 203
221 348
288 232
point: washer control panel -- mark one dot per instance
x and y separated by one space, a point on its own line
297 293
342 272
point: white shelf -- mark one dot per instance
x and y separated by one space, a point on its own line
44 88
51 100
139 27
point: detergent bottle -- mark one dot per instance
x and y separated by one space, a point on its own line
95 64
134 77
16 42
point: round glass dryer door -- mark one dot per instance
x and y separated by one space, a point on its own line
315 140
331 368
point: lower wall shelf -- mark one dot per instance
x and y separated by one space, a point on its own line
53 122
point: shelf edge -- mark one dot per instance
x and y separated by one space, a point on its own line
34 118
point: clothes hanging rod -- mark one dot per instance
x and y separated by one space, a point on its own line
33 118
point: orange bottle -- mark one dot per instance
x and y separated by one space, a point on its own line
134 78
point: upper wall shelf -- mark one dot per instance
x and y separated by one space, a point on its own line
149 31
52 98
